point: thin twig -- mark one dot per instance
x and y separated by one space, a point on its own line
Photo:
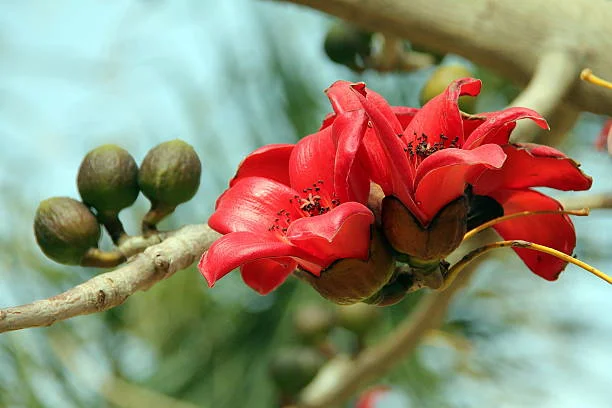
178 251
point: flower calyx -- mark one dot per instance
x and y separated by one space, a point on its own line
423 244
350 280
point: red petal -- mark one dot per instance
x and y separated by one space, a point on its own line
497 126
343 232
240 248
252 204
265 275
552 230
343 99
404 114
269 161
396 162
348 132
328 120
442 177
312 162
441 115
374 158
533 166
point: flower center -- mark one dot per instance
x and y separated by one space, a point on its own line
420 148
312 202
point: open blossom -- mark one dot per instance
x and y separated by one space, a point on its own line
425 162
430 161
309 208
289 206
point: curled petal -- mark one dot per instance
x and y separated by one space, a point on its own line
252 204
442 177
497 126
398 166
441 115
240 248
374 158
532 165
348 132
265 275
343 232
552 230
343 99
269 161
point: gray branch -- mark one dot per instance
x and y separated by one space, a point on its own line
178 251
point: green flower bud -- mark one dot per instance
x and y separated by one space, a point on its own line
439 81
293 368
65 229
349 281
313 323
170 174
358 318
424 245
348 45
108 179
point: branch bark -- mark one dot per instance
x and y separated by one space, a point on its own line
555 73
178 251
508 37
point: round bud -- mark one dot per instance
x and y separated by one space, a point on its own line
293 368
428 244
358 318
65 229
348 45
170 173
351 280
441 79
108 179
313 323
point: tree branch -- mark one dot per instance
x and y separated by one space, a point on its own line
555 73
373 362
508 37
178 251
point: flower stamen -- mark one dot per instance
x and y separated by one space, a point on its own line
454 271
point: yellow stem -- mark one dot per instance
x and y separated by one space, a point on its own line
482 227
454 271
587 75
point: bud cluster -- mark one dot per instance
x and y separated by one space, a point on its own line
109 180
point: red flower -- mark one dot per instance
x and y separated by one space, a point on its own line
526 166
291 206
441 151
431 155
